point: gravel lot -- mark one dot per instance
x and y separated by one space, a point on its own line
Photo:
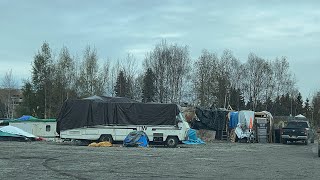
220 160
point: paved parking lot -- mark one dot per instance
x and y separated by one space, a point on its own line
220 160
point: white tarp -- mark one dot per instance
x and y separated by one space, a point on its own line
246 119
300 116
17 131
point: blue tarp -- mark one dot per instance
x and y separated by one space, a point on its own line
136 139
234 119
192 138
26 117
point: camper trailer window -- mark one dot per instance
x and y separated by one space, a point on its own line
48 127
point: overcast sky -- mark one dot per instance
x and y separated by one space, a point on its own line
269 29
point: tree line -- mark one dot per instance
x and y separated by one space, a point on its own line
168 75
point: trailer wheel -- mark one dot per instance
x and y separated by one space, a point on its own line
172 142
106 137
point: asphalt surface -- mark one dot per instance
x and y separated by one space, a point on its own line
219 160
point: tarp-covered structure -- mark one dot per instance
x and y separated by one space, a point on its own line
100 110
136 139
13 133
245 124
26 117
192 138
211 119
234 119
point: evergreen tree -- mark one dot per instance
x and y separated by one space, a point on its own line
307 109
249 104
276 107
149 89
236 99
299 105
316 109
121 85
268 104
29 103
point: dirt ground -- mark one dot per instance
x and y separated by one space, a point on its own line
218 160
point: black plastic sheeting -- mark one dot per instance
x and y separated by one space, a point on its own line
114 111
210 119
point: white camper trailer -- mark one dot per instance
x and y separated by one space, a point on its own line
45 128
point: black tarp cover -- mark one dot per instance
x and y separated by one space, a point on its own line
211 119
114 111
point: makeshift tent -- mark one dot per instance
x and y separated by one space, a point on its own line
114 111
136 139
16 131
192 138
245 124
233 120
211 119
11 133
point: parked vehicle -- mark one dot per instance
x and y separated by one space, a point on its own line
297 130
112 119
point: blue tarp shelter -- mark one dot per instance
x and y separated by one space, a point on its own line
192 138
136 139
234 119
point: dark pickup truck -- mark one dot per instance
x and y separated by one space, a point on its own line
297 130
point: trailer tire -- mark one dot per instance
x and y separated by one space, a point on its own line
106 137
172 141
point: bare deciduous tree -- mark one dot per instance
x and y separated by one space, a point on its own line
170 63
9 87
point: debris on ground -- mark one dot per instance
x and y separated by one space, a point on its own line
206 135
101 144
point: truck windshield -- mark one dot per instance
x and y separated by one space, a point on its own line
297 125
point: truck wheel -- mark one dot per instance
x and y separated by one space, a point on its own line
318 151
106 137
172 142
312 141
306 142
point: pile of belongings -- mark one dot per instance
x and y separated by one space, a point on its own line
192 138
11 133
136 139
245 125
101 144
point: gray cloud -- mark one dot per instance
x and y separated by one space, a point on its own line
268 28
